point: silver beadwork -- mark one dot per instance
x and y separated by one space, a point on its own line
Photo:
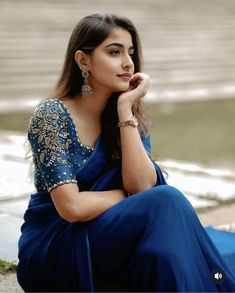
86 88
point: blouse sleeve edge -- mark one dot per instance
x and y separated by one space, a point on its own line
61 183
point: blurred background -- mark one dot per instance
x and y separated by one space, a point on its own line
189 52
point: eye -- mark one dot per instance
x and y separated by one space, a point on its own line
131 54
115 52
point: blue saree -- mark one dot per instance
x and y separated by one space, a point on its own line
150 241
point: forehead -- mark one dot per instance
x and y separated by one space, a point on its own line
118 35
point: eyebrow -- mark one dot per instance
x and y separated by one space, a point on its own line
118 45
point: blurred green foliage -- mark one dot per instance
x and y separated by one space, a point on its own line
6 267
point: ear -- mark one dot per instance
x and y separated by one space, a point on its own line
82 60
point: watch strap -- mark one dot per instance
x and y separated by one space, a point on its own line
130 122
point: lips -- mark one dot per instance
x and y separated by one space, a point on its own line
127 75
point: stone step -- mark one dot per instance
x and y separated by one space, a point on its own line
179 83
26 99
152 61
186 76
186 44
219 38
11 73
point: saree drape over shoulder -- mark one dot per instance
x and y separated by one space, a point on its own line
150 241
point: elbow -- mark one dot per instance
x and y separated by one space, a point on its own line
70 215
135 188
141 182
68 203
71 218
74 216
140 186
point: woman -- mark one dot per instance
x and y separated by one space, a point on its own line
102 210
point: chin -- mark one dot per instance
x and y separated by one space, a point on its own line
122 88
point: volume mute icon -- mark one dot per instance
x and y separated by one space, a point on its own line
218 276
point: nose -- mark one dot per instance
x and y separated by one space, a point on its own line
127 62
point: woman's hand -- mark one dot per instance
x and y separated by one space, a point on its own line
139 84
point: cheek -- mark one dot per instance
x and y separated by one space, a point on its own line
105 68
105 60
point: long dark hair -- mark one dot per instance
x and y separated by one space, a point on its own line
91 31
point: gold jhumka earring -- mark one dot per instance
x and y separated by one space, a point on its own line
86 88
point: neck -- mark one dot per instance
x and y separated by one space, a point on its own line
94 105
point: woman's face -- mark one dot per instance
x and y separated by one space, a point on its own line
111 59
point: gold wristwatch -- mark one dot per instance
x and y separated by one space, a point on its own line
132 122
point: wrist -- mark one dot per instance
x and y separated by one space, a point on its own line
124 112
131 122
124 105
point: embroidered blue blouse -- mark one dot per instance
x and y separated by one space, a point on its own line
57 150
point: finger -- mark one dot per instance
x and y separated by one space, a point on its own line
145 89
139 79
140 76
144 85
136 79
134 82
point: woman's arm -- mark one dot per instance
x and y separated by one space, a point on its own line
75 206
138 172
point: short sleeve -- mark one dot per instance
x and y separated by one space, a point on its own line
49 138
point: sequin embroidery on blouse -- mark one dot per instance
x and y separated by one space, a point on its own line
53 139
56 151
71 118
